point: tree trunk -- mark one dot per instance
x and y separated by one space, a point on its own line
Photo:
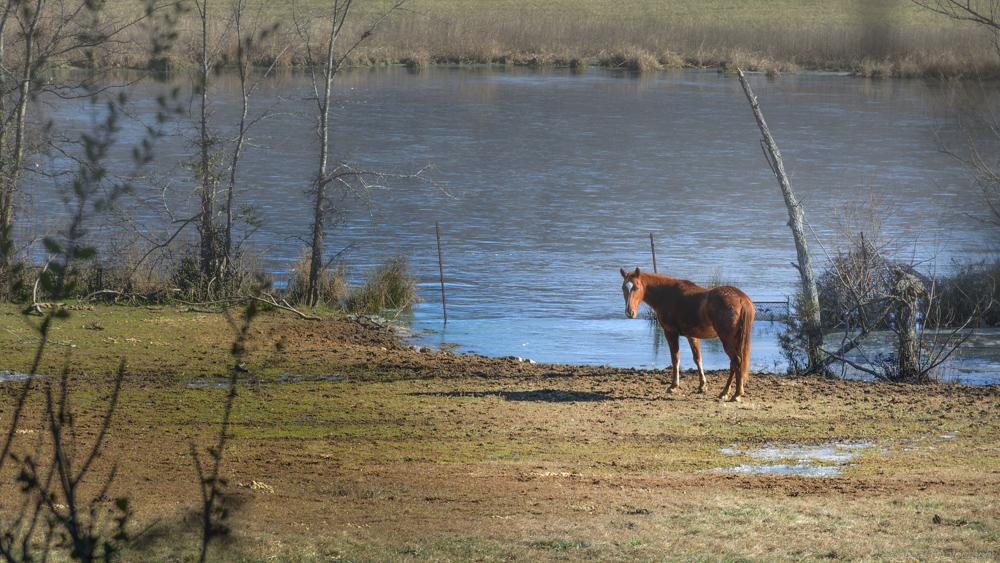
796 221
908 290
7 183
331 65
242 68
330 69
316 259
207 226
12 159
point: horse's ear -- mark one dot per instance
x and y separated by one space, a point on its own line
635 272
624 275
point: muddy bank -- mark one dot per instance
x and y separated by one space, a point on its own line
374 451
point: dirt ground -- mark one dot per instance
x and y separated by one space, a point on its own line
397 454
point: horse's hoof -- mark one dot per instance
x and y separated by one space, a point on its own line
723 397
673 388
701 390
737 399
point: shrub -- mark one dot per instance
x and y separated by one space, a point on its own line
15 285
332 283
968 293
853 284
631 58
390 285
245 277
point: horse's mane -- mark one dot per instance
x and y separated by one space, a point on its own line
668 279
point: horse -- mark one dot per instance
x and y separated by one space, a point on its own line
684 309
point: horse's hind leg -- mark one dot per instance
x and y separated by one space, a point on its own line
696 352
725 392
734 368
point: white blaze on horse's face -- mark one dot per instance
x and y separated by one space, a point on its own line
629 308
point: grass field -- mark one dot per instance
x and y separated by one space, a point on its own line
887 38
346 446
750 13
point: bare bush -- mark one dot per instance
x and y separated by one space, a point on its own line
865 289
632 58
966 292
854 284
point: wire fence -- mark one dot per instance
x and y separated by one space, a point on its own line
772 310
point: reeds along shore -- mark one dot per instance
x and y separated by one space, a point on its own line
904 51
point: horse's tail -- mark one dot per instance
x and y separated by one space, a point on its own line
744 324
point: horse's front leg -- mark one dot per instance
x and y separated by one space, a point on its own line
673 341
696 352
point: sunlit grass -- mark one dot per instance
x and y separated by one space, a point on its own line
628 461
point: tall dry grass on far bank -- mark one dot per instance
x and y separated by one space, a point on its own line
895 38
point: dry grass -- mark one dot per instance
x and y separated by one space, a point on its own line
632 58
893 38
366 451
332 282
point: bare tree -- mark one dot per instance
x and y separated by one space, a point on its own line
978 121
324 62
972 137
984 13
884 295
51 476
220 147
207 140
36 35
249 30
871 292
796 221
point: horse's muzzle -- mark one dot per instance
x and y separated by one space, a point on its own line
630 313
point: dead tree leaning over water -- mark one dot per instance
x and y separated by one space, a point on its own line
796 221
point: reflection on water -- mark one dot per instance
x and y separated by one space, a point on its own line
547 182
811 461
8 375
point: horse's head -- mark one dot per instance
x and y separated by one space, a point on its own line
633 290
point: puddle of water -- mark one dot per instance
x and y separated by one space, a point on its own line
822 461
8 375
806 470
811 461
828 453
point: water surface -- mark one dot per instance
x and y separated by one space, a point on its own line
546 182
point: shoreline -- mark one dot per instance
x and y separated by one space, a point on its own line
774 37
448 455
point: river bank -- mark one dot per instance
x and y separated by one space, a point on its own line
346 443
885 39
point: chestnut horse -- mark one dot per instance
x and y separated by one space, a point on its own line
684 309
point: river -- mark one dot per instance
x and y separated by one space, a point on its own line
546 182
